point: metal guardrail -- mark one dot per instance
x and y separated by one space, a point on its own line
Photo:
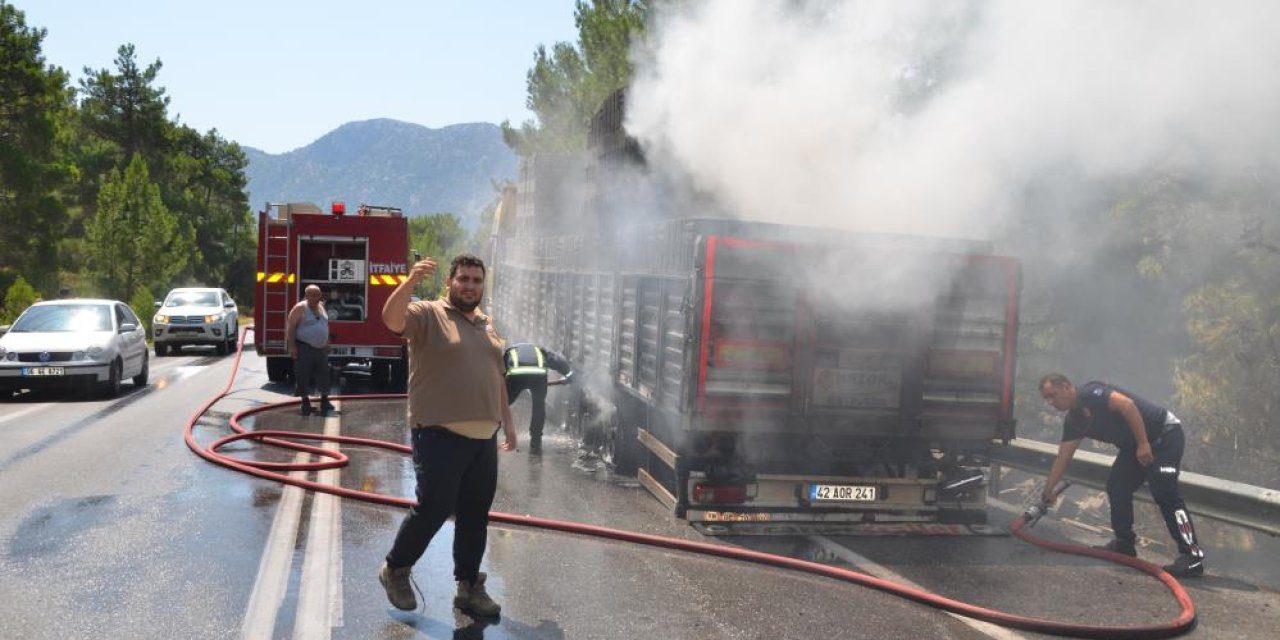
1245 505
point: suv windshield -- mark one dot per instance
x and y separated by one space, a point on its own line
64 317
193 299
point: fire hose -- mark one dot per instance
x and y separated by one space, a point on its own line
332 458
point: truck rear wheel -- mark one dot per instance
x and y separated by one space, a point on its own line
279 368
622 447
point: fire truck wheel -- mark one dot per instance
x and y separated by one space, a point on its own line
381 374
400 374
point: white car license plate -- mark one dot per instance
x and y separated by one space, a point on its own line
42 371
842 493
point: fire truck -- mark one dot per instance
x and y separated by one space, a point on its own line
356 260
763 374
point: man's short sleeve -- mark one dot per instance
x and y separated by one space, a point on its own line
416 318
1094 396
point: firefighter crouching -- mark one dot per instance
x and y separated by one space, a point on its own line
527 366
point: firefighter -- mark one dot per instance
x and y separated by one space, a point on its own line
1151 443
527 366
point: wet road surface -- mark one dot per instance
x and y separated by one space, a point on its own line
111 528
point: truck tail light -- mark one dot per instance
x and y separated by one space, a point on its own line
719 493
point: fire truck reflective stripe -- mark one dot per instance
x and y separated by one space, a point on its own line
291 278
261 275
275 277
373 280
402 278
390 280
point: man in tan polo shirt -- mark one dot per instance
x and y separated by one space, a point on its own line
457 403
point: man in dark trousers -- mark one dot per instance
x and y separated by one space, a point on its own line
457 403
1151 443
527 366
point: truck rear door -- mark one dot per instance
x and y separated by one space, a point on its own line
856 340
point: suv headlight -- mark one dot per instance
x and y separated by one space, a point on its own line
161 319
210 319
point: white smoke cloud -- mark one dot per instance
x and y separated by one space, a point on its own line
933 118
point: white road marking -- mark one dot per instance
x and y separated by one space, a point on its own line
277 560
866 565
320 596
31 409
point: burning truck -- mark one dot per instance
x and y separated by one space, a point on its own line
762 373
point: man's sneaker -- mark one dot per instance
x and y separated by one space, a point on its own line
327 408
399 591
535 444
1186 566
305 408
1122 547
472 598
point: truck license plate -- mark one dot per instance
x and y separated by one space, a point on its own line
42 371
842 492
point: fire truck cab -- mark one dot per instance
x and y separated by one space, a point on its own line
356 260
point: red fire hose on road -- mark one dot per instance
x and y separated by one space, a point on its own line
276 472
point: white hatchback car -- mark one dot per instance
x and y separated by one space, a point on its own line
62 343
196 315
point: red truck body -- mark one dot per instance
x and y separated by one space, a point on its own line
356 259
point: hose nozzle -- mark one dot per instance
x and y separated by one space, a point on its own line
1036 511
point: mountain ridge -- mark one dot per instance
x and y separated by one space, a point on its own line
382 161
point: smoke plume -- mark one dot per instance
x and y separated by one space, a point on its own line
937 118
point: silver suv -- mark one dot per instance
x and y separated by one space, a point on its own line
195 315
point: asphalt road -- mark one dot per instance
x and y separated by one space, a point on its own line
111 528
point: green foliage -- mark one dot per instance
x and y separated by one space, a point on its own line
134 240
206 190
1211 242
567 84
440 236
143 304
16 300
126 108
35 115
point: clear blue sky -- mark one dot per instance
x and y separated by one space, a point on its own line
277 74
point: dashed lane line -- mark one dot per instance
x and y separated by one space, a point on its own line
320 596
277 561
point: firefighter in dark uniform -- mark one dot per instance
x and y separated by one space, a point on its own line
1151 443
527 366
